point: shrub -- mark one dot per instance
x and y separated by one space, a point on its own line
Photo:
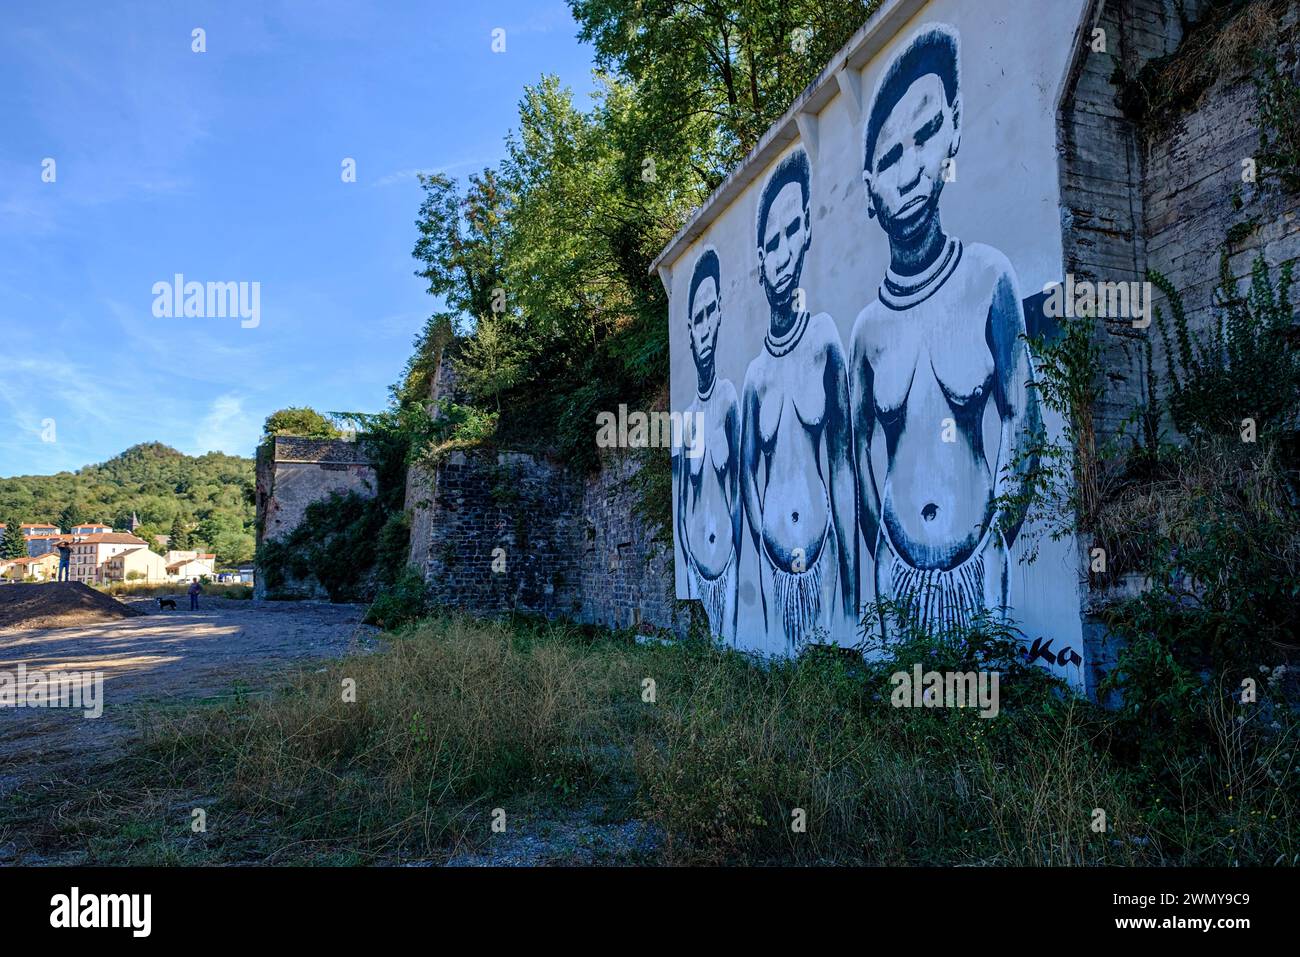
301 421
334 543
1278 100
1242 367
404 601
1220 536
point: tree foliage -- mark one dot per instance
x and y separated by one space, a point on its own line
178 538
713 75
303 421
12 543
541 267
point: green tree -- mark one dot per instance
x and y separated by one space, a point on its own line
460 246
73 514
224 533
13 545
179 537
233 547
543 265
711 77
303 421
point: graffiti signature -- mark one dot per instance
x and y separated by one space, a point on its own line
1039 649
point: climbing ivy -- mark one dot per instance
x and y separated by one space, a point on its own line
1279 125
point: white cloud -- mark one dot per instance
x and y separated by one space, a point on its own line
409 174
226 428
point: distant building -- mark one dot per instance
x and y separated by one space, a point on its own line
187 564
136 565
38 567
39 545
90 528
40 538
91 551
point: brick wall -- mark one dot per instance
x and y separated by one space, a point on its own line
626 576
496 531
502 533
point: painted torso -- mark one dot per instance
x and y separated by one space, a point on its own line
932 362
710 491
791 403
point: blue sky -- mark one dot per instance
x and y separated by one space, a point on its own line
225 166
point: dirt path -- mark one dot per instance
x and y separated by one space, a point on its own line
157 657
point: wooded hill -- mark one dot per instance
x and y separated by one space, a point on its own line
208 498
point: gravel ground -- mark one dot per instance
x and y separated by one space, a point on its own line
164 656
157 657
581 838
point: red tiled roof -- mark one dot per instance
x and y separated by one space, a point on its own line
110 538
28 559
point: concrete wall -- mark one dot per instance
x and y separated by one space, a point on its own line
929 377
1101 189
1140 196
293 472
1147 196
1192 170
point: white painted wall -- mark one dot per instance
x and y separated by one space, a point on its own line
1014 55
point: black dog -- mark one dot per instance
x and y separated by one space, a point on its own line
166 603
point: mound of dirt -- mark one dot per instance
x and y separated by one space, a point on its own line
58 605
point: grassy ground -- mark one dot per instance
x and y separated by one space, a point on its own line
720 757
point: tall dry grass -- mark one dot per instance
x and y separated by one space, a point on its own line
447 718
456 717
237 590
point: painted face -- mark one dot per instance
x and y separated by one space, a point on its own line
706 318
906 173
785 240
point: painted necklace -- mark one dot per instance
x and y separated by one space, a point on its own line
786 343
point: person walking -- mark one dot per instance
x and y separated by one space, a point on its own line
195 590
